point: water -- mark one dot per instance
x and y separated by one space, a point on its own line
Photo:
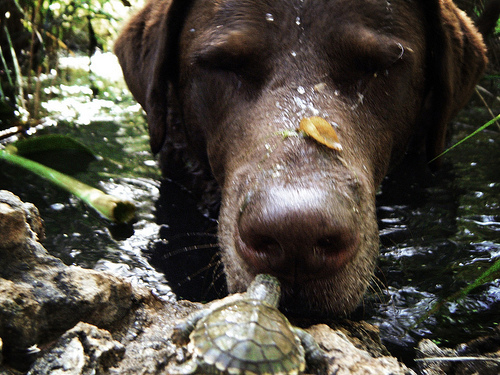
438 232
113 126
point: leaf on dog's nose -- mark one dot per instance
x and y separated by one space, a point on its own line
321 130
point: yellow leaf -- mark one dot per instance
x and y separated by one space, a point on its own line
321 130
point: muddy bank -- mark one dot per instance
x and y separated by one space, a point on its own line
58 319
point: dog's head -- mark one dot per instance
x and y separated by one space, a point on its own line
241 76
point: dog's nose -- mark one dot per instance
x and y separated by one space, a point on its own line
297 233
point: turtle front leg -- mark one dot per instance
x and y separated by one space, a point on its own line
315 356
189 368
181 333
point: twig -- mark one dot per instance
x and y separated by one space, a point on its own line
486 104
457 359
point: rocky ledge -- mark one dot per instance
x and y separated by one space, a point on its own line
59 319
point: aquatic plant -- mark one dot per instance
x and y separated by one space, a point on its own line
110 207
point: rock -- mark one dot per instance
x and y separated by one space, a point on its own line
149 347
479 356
18 221
66 320
346 359
427 349
84 349
41 298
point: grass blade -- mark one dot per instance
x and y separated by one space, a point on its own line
489 123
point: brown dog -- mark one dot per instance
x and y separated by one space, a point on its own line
234 78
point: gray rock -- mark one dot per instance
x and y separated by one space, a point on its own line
18 221
347 359
83 350
40 297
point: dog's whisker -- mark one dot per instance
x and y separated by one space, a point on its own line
187 249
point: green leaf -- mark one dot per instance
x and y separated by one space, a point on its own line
50 142
56 151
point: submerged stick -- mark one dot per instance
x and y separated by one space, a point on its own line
110 207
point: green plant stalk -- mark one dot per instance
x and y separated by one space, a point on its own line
6 68
481 280
489 123
110 207
17 69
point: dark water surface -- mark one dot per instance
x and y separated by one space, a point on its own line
438 232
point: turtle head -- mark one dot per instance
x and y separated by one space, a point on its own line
265 288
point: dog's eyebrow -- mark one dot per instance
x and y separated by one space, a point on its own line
235 42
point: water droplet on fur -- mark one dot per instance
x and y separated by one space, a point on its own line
301 90
293 53
269 17
297 21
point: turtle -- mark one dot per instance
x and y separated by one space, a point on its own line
247 334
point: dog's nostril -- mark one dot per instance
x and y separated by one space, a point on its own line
330 245
327 242
326 245
296 232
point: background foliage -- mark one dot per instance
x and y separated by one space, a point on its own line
35 33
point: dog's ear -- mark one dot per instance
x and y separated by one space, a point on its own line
147 50
456 60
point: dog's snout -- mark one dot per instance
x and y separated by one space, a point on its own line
297 233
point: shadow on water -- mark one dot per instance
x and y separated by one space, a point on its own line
438 232
187 252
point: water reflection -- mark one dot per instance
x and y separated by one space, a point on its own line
439 233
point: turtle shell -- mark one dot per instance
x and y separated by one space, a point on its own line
248 337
